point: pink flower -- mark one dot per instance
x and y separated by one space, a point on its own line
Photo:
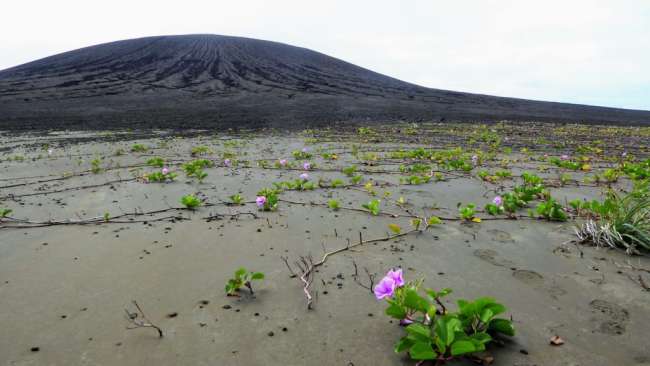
227 163
165 171
260 201
396 275
306 165
385 288
497 200
564 157
283 162
304 176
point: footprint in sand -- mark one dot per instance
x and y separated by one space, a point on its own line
610 318
492 256
501 236
537 281
529 277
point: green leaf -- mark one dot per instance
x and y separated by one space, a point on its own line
445 291
486 315
503 326
240 272
446 328
496 309
395 310
419 332
257 276
422 351
414 301
480 338
404 344
462 347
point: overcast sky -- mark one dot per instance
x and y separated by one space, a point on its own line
581 51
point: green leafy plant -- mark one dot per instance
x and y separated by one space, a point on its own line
200 175
372 206
242 278
336 183
236 199
199 150
139 148
4 212
551 210
334 204
301 154
96 166
434 220
356 179
494 209
160 177
365 131
190 201
620 221
434 332
270 201
194 167
467 212
350 170
156 162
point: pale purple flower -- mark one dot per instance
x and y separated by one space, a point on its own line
50 151
475 159
283 162
227 163
624 154
405 322
564 157
165 171
385 288
304 176
304 149
396 275
306 165
260 201
497 200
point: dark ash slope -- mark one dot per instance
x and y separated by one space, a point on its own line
218 81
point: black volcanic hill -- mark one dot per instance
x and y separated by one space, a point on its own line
198 81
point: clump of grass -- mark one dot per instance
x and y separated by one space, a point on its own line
621 221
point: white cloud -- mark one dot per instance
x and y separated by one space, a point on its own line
580 51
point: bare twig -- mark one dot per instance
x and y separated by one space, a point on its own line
371 278
139 320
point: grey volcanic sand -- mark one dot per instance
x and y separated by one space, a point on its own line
63 288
